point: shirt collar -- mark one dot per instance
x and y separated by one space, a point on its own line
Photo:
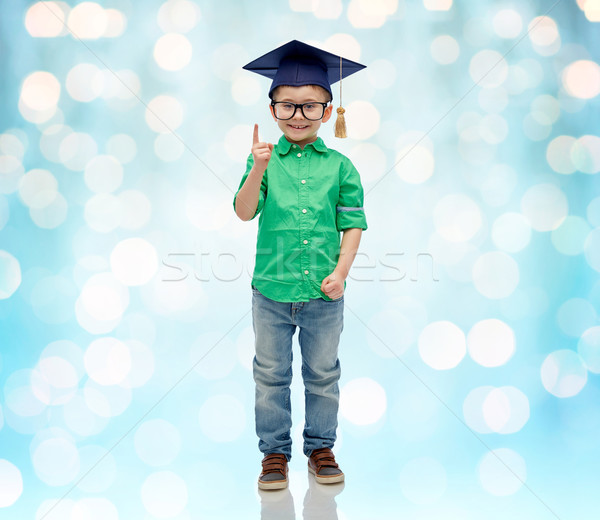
283 146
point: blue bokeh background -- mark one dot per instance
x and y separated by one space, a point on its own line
471 346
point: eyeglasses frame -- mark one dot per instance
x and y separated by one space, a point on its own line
301 107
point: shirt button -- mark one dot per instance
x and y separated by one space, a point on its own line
303 211
293 146
303 181
306 272
306 241
299 155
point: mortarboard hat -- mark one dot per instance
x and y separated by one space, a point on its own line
297 63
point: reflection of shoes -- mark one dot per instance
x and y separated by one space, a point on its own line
274 472
322 465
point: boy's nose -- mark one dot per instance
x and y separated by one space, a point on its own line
298 114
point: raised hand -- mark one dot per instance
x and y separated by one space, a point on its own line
260 151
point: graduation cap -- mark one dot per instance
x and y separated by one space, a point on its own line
297 63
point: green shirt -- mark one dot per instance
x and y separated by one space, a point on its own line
307 196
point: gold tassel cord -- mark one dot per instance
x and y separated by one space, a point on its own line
340 122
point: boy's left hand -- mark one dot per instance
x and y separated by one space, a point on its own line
333 285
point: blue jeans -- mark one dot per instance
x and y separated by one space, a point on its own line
320 323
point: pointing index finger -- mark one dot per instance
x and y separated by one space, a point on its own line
255 137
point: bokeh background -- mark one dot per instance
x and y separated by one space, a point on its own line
471 347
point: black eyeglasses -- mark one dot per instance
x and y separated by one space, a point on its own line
313 110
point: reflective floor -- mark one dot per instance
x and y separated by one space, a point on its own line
312 501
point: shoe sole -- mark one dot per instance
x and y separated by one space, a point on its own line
274 484
333 479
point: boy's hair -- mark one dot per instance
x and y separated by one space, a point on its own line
328 98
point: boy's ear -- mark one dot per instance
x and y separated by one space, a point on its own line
272 113
327 114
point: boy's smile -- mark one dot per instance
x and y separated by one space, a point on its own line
298 129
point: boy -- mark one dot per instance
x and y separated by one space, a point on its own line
307 193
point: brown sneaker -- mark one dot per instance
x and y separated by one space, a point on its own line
274 472
322 465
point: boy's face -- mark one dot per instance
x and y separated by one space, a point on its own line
300 130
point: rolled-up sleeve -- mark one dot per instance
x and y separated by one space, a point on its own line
350 212
263 187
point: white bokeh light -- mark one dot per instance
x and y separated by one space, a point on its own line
76 149
488 68
134 261
52 215
495 275
370 14
362 119
19 396
444 49
107 361
135 209
473 409
507 23
585 154
414 163
164 114
491 342
179 16
172 51
142 364
11 483
246 90
581 79
588 348
545 206
40 91
46 19
84 82
502 472
370 161
592 249
511 232
54 380
95 508
10 275
362 401
56 461
563 373
544 36
558 154
505 410
442 345
457 218
103 174
38 188
104 297
575 315
88 20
